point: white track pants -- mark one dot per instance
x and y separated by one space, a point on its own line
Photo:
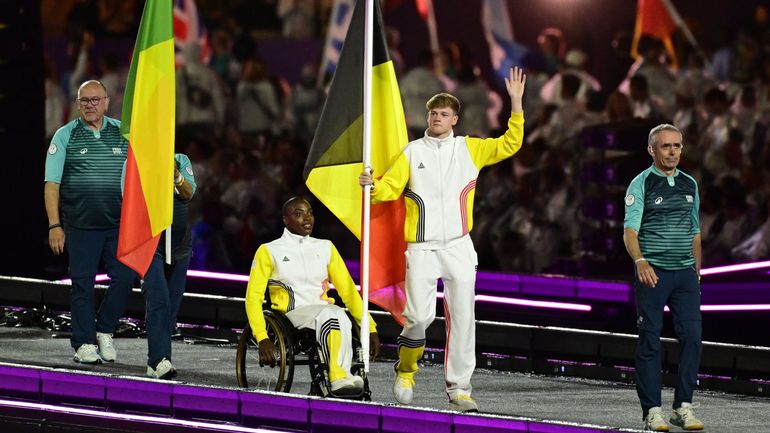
325 319
456 266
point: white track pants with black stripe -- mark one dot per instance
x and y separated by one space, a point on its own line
456 266
323 318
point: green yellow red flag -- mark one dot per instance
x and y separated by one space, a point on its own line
148 125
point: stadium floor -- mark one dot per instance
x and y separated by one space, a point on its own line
514 394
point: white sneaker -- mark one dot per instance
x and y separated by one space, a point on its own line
403 389
684 417
463 403
164 370
348 385
106 348
87 354
654 420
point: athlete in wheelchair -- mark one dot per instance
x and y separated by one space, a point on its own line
302 320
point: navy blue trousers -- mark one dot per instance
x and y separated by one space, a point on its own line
163 288
86 248
680 290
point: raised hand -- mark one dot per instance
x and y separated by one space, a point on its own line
514 84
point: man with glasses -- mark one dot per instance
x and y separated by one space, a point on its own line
662 236
83 200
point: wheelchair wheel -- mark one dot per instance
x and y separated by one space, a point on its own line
248 371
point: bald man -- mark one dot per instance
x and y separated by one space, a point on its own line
83 200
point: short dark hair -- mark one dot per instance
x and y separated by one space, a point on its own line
443 100
291 201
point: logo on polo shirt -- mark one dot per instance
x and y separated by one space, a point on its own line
117 151
189 170
688 198
285 259
659 200
630 200
420 166
52 149
83 151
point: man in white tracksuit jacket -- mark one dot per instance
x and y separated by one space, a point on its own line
437 175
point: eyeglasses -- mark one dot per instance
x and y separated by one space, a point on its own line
669 146
93 100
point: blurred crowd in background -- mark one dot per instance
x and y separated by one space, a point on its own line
247 131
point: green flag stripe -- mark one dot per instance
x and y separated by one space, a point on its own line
157 26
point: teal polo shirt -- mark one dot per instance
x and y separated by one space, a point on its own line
88 164
664 212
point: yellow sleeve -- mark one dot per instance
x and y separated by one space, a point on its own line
340 277
261 269
392 183
487 151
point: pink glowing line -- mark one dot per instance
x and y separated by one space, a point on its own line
218 275
735 268
528 302
734 307
132 417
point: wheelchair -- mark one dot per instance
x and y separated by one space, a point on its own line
293 347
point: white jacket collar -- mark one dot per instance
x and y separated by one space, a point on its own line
439 141
291 237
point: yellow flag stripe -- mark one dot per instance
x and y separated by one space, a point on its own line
152 130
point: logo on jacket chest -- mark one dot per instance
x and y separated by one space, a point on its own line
421 166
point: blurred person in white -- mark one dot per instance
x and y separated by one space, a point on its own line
259 108
474 93
306 102
298 16
417 86
650 65
575 63
200 102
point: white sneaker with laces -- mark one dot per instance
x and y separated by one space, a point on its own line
654 420
684 417
164 370
87 354
463 403
348 385
403 389
106 348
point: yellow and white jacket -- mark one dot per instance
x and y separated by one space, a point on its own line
297 270
438 180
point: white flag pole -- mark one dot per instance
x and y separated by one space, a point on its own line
168 245
367 150
433 36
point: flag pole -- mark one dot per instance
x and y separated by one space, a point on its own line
438 65
367 151
686 32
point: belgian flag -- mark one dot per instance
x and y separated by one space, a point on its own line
336 156
148 126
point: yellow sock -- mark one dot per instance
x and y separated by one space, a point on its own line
333 343
407 361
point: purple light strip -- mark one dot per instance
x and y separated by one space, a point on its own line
133 417
525 302
734 307
735 268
